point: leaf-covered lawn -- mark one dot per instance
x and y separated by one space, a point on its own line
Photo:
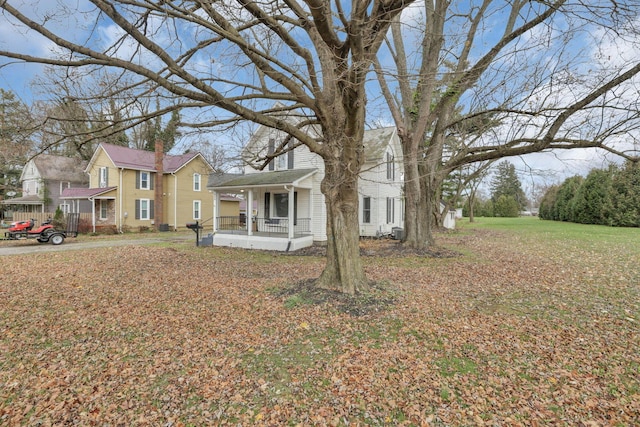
518 330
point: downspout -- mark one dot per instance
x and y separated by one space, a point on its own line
175 201
120 200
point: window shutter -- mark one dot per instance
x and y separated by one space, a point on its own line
267 201
137 208
106 176
151 213
137 182
295 205
271 149
290 156
152 178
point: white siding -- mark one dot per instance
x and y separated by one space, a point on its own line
373 183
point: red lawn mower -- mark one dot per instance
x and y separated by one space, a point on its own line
44 233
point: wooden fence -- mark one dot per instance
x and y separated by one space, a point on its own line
41 217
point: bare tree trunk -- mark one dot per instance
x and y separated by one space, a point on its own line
472 201
429 194
417 214
344 271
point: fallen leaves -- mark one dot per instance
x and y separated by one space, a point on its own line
210 336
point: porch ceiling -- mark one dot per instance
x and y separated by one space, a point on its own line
230 182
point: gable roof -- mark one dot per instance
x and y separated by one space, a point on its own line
60 168
283 177
131 158
376 142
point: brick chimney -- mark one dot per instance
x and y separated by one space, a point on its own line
159 193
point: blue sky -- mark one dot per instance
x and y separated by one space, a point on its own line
18 77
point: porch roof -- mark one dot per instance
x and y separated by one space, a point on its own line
227 182
84 193
25 200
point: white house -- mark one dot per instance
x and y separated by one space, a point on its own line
290 206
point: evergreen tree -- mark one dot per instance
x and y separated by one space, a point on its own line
625 196
564 206
505 182
169 134
592 200
547 209
506 206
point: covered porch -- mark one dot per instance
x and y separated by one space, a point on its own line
278 214
102 204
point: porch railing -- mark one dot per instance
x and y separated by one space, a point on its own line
263 226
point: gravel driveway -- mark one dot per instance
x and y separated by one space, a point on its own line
19 247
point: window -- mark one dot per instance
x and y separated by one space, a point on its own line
391 172
144 180
282 162
390 212
196 182
144 209
366 210
281 204
196 209
103 177
104 209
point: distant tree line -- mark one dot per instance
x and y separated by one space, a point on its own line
606 196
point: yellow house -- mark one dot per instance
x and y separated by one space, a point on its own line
125 194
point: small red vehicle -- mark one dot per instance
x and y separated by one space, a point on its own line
44 233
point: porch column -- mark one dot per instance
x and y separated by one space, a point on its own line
216 210
93 214
249 213
291 212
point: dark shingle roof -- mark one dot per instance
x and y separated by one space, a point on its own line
258 179
61 168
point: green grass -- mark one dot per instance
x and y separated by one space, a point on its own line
556 230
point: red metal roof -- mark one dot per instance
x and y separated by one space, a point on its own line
84 193
130 158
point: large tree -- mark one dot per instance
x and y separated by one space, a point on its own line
15 141
527 76
237 58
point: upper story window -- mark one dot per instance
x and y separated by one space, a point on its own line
391 171
103 177
144 180
196 181
283 161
